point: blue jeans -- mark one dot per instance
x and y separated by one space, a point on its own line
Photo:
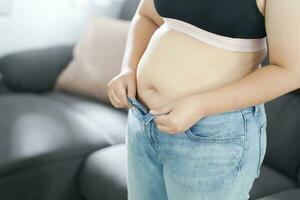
218 158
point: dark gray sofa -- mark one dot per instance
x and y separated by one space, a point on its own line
46 135
60 146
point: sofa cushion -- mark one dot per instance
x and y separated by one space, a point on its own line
38 129
269 182
128 10
103 176
283 136
293 194
34 70
97 59
41 182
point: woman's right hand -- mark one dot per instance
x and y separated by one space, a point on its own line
120 86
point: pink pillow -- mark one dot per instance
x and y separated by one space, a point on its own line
97 59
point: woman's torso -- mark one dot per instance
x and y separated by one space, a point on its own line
175 64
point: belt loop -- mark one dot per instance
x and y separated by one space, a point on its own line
148 117
256 109
134 102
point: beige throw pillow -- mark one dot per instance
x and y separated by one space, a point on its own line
97 59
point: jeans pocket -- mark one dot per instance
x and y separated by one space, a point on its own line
220 155
262 146
224 127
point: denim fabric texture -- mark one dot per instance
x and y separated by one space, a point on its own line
218 158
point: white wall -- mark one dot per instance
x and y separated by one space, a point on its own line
39 23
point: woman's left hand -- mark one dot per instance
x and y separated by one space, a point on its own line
179 115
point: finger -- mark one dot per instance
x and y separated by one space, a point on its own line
131 88
116 99
121 93
166 129
112 101
163 120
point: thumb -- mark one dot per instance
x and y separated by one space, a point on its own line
162 110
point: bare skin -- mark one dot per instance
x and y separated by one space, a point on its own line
192 78
175 64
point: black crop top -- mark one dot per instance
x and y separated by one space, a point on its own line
231 18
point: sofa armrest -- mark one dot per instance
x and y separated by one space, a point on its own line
34 70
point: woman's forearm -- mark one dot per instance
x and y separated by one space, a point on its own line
260 86
139 34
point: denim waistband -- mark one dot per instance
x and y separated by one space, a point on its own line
147 117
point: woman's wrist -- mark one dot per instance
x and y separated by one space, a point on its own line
198 105
128 69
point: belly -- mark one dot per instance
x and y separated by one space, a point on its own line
175 64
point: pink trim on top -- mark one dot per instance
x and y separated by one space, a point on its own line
224 42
